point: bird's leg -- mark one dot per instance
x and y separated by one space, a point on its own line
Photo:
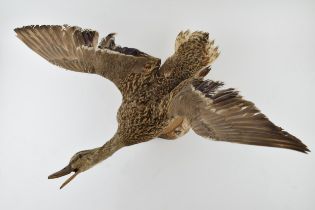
177 128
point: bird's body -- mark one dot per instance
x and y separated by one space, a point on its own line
143 113
158 100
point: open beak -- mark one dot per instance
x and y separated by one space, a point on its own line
65 171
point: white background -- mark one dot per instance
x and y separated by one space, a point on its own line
47 114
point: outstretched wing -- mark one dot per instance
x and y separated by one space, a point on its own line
76 49
222 114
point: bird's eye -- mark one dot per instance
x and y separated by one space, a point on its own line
80 156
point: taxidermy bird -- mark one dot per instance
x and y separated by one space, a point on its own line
162 101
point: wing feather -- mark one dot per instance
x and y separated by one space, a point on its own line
222 114
74 48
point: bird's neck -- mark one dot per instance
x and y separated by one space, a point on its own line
109 148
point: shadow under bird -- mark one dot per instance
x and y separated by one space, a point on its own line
162 101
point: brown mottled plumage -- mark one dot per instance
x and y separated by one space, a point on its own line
158 101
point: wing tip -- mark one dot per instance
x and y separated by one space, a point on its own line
296 146
17 30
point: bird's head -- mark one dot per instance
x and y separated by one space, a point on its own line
79 162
